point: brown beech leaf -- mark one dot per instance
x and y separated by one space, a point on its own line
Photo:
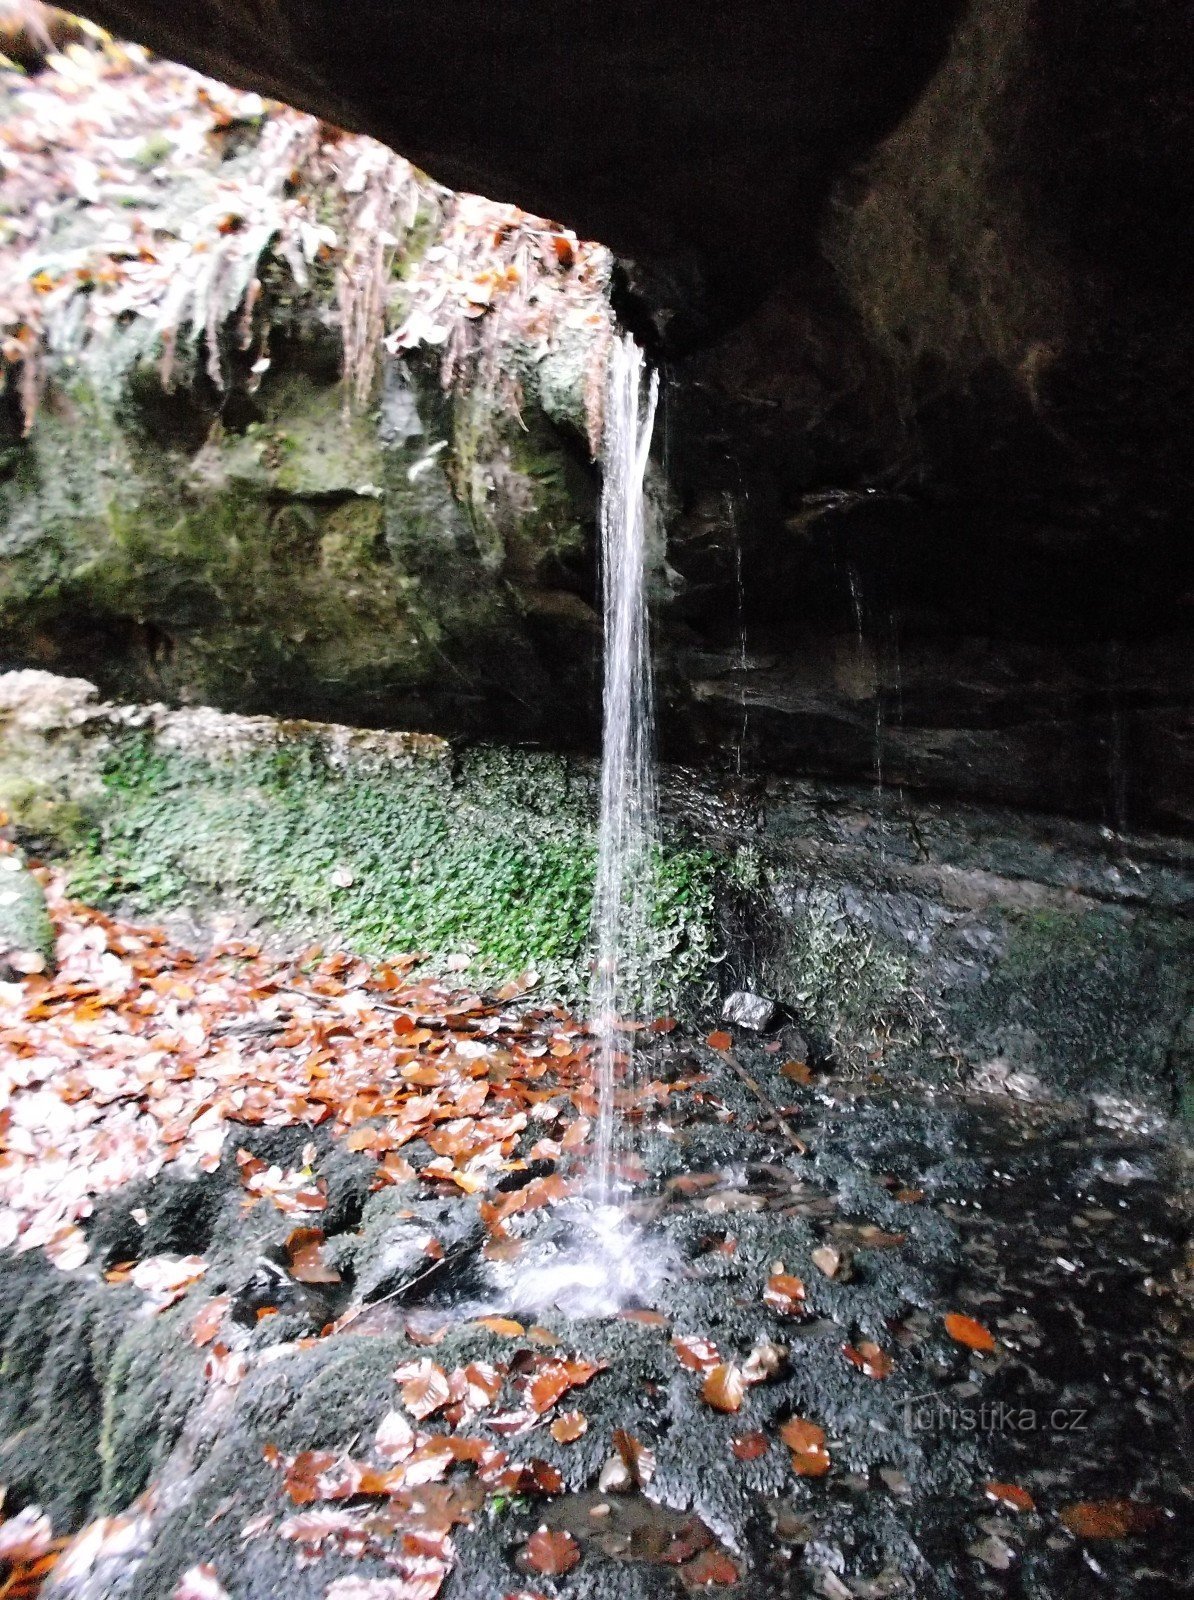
551 1552
724 1387
569 1425
639 1458
26 1537
208 1319
555 1378
965 1330
200 1583
1009 1494
304 1252
827 1260
763 1362
720 1040
750 1446
698 1355
785 1293
806 1441
504 1327
424 1387
710 1567
1109 1519
797 1071
868 1358
395 1438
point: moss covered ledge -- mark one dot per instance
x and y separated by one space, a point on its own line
481 858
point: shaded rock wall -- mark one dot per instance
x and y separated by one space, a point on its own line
948 944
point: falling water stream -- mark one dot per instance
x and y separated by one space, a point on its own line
628 832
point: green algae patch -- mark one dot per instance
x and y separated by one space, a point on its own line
488 854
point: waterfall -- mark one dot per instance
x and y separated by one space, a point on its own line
628 830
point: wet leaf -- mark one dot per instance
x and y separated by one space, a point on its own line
551 1552
1109 1519
504 1327
570 1425
698 1355
424 1387
711 1567
719 1040
763 1362
208 1319
724 1387
639 1459
304 1252
750 1446
806 1441
785 1294
797 1071
966 1330
395 1438
869 1358
26 1537
1010 1494
200 1583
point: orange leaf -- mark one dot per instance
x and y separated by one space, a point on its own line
806 1441
1109 1519
568 1426
638 1458
424 1387
797 1071
551 1552
968 1332
869 1358
698 1355
720 1040
304 1251
208 1319
724 1387
785 1294
709 1567
504 1327
1010 1494
750 1446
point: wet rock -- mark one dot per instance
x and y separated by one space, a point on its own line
26 935
753 1011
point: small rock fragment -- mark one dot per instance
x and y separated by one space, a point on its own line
752 1011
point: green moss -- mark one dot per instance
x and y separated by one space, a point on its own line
491 857
847 981
24 922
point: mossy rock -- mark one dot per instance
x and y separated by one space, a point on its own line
26 933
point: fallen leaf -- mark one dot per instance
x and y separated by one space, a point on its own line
1109 1519
551 1552
304 1252
208 1319
570 1425
965 1330
638 1457
750 1446
869 1358
1010 1494
785 1294
504 1327
698 1355
424 1387
708 1568
200 1583
720 1040
26 1537
806 1441
763 1362
797 1071
724 1387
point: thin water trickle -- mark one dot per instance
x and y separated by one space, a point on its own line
628 830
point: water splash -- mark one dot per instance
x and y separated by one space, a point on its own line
628 831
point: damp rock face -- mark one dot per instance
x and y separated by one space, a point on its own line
26 934
1029 956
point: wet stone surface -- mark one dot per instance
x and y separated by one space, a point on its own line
844 1339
